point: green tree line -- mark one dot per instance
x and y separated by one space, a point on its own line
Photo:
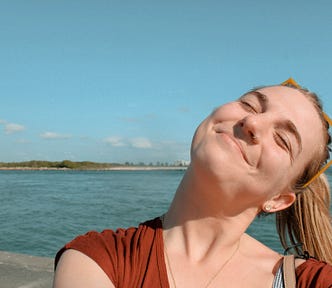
81 165
65 164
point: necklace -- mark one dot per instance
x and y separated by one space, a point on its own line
213 276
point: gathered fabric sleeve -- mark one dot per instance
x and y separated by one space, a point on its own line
99 247
314 274
130 257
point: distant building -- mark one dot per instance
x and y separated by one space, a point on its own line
181 163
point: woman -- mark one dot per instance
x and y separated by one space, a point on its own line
249 157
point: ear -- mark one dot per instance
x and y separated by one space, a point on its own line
279 202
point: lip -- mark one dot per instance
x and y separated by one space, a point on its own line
237 144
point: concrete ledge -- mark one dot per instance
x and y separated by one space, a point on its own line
25 271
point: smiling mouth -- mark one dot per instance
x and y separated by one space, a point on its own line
237 145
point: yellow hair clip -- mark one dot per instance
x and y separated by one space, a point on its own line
327 165
321 171
292 82
327 118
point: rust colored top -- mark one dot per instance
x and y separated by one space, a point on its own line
134 257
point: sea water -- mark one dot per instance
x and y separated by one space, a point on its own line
42 210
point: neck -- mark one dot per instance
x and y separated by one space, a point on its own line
198 222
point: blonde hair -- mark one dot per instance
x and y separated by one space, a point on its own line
308 220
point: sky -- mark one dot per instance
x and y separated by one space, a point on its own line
129 81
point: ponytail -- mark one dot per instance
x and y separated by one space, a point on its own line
308 221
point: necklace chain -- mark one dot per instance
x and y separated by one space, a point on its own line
213 276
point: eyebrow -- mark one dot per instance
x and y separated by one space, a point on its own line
262 98
287 125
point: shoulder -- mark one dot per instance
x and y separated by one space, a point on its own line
107 248
75 269
260 256
314 273
89 254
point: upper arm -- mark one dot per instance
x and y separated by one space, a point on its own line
76 270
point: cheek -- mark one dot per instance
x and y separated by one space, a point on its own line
199 135
229 111
276 170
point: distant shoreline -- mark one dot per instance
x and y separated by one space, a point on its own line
116 168
88 165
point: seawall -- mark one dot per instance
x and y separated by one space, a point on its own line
25 271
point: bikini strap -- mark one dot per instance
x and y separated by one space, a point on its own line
289 271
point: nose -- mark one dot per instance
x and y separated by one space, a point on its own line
253 127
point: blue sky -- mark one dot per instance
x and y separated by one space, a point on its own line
117 81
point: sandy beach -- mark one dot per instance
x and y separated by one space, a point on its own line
25 271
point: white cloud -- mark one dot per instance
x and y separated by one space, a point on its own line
141 142
53 135
13 128
22 141
115 141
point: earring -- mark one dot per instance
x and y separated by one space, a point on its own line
267 208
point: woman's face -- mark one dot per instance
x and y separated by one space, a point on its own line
257 145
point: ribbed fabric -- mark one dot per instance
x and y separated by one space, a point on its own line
278 281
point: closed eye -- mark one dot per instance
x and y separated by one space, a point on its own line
253 102
248 106
284 143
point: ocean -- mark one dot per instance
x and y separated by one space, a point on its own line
42 210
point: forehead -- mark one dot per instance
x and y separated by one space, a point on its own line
289 100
